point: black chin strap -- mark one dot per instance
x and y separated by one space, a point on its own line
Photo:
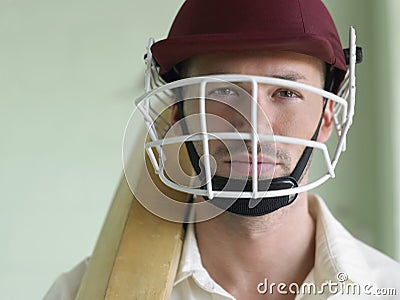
243 206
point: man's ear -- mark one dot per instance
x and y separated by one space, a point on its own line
174 113
327 122
175 118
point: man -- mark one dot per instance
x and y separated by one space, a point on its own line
258 94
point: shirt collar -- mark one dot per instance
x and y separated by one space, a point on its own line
190 265
337 255
190 258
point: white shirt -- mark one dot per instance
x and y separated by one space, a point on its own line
339 259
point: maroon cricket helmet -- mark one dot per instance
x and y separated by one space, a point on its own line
208 26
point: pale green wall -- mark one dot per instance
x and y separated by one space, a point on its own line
362 194
393 78
69 72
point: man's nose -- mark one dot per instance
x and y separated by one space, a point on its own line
255 111
265 113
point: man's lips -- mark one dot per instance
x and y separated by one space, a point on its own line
243 165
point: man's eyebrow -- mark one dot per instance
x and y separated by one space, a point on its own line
293 76
289 76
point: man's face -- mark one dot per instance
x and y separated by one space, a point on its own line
281 111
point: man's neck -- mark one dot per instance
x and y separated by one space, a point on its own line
241 252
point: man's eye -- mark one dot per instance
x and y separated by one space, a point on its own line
287 94
224 92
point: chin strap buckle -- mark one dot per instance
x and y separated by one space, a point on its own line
281 183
